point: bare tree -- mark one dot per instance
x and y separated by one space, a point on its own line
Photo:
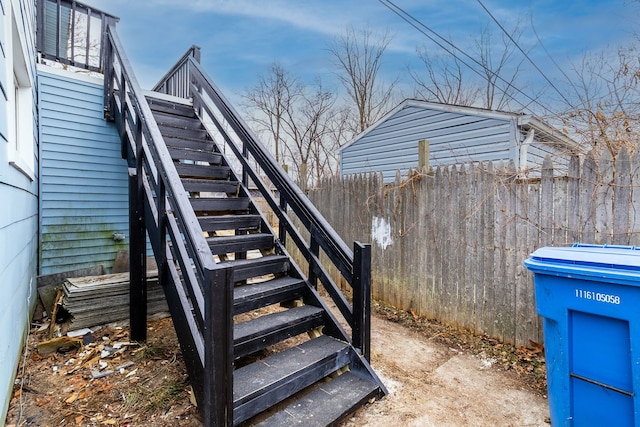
306 124
606 90
358 55
489 81
500 67
299 118
270 98
445 81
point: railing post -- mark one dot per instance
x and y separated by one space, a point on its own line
218 342
195 52
314 248
161 257
41 24
107 65
282 229
137 246
362 298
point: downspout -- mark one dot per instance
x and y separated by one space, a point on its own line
524 147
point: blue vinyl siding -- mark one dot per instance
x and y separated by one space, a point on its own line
18 210
83 178
454 137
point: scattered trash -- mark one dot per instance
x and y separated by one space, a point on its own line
100 374
60 344
79 332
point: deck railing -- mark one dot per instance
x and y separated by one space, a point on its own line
188 80
199 292
72 33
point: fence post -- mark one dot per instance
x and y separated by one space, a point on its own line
362 298
137 246
218 342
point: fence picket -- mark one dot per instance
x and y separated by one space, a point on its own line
460 234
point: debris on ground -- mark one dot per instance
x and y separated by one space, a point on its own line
103 378
100 377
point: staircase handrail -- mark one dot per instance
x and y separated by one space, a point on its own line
166 168
209 354
354 269
172 77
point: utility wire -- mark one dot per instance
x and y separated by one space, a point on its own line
526 55
416 23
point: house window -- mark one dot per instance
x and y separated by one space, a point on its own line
21 135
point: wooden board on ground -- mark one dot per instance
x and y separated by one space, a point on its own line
96 300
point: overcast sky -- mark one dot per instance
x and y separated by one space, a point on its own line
241 38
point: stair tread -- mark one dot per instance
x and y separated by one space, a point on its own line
179 153
187 142
240 243
209 185
255 295
220 204
251 379
326 404
282 324
168 106
275 378
240 237
229 222
247 268
203 171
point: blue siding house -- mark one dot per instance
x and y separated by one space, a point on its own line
455 135
63 183
83 181
18 185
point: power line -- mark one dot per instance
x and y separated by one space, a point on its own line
526 55
416 23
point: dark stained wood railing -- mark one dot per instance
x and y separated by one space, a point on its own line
199 292
188 80
72 33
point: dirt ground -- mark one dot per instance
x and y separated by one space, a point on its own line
436 376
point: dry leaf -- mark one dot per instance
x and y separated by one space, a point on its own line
79 419
72 398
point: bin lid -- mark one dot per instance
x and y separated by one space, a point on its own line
603 256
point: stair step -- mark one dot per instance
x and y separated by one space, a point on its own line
253 296
203 171
326 404
184 142
262 332
229 222
177 121
240 243
275 378
165 106
195 155
195 185
219 204
244 269
175 132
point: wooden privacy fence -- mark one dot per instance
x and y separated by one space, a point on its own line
450 243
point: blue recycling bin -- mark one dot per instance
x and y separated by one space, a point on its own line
589 299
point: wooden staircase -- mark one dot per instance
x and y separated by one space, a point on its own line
293 362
